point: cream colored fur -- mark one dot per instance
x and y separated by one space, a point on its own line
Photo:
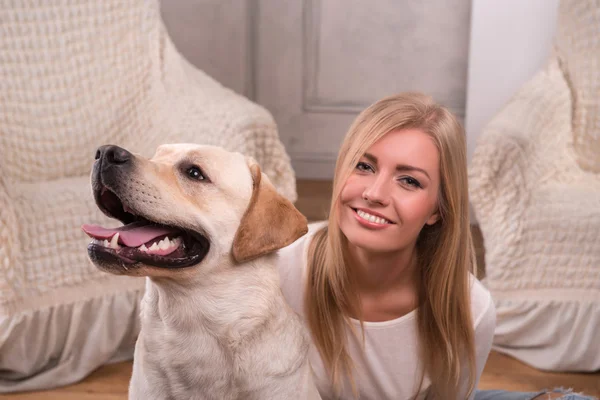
220 329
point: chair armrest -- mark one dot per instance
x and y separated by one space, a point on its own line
514 155
511 153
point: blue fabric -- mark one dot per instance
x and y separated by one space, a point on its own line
506 395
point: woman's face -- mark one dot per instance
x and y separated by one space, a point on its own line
392 192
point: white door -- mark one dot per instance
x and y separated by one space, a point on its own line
314 64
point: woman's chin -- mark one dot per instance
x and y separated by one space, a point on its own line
367 240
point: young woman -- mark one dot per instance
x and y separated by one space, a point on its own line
386 285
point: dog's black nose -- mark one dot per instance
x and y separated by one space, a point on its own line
113 155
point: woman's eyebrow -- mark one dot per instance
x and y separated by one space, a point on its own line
399 167
371 158
405 168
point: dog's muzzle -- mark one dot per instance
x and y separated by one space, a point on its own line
141 240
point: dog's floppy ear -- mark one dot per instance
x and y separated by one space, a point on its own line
270 222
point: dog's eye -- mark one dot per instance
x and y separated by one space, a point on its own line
195 173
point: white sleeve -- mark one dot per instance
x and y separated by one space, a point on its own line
484 335
291 264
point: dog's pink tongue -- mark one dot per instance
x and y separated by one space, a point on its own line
131 235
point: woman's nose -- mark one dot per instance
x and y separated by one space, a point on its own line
377 192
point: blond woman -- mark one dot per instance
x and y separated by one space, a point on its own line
386 284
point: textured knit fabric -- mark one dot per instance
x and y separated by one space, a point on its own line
75 75
578 48
389 368
539 213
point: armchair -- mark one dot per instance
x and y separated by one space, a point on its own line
535 189
74 76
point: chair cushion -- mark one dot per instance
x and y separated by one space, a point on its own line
545 279
63 317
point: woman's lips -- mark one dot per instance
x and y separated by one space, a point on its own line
368 223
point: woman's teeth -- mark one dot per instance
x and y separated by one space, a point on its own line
372 218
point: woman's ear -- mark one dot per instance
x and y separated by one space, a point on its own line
435 217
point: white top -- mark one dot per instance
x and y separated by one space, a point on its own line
390 368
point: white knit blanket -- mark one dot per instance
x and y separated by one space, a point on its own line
77 75
73 76
536 195
577 46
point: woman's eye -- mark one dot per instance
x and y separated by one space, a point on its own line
364 167
411 181
195 173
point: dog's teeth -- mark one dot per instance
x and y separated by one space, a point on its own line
105 243
114 242
164 244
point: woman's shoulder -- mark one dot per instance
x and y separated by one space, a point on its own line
293 251
483 308
291 263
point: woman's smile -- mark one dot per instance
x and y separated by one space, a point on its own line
371 219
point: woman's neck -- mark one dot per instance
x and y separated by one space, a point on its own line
387 283
380 272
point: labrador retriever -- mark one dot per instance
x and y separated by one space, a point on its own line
203 225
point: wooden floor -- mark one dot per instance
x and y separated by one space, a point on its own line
501 372
110 382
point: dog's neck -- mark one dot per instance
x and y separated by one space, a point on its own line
232 301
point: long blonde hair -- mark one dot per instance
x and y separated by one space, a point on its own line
444 252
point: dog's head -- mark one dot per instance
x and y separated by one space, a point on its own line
185 207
